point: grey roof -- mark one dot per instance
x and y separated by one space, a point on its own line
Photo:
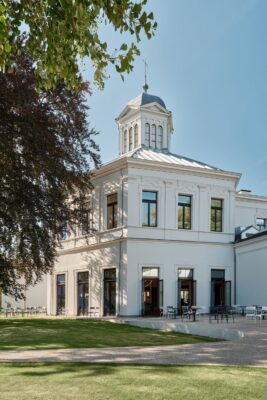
145 98
153 155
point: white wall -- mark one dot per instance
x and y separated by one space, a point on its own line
251 270
169 256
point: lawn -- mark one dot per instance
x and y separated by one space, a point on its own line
26 333
128 382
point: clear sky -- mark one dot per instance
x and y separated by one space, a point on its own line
208 62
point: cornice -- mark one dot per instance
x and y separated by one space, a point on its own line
124 162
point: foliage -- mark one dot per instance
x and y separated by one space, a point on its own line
62 32
27 333
45 150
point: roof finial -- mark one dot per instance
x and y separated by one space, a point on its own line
145 87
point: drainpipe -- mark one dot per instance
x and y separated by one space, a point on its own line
235 275
120 243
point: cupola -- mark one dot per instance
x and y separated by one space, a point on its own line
145 122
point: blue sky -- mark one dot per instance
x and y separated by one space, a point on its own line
208 61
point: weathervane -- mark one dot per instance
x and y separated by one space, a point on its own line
145 87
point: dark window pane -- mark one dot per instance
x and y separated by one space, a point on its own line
187 218
112 198
180 217
217 274
153 214
115 219
112 209
61 278
149 195
216 203
145 214
184 199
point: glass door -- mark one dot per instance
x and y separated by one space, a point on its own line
110 292
61 295
83 292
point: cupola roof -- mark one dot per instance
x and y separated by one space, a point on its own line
146 98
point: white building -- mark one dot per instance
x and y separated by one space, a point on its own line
162 229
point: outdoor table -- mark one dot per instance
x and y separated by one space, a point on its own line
194 312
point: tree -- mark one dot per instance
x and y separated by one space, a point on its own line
46 150
63 32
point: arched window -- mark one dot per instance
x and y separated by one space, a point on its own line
135 136
147 135
153 136
160 137
125 142
130 139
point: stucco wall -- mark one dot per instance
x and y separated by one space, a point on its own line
251 269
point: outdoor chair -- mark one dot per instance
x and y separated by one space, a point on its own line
251 312
186 312
171 312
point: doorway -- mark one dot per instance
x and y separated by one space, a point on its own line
110 292
61 294
186 288
220 289
152 292
83 292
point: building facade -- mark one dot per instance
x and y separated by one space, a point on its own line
160 232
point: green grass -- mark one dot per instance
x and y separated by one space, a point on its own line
83 381
26 334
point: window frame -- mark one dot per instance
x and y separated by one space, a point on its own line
125 134
216 209
130 139
153 136
149 202
261 227
147 134
184 207
160 137
135 136
113 205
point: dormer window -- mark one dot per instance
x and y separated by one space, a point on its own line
147 134
160 137
130 139
136 136
125 141
153 136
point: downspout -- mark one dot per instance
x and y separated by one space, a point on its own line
120 243
235 275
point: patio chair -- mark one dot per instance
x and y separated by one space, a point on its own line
251 312
171 312
186 312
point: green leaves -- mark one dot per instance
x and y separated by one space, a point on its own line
63 32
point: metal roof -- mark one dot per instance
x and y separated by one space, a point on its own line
145 98
153 155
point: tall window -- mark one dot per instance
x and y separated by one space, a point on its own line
261 224
64 231
135 136
184 211
216 215
112 209
153 136
61 296
125 141
130 139
160 137
147 134
149 201
86 222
